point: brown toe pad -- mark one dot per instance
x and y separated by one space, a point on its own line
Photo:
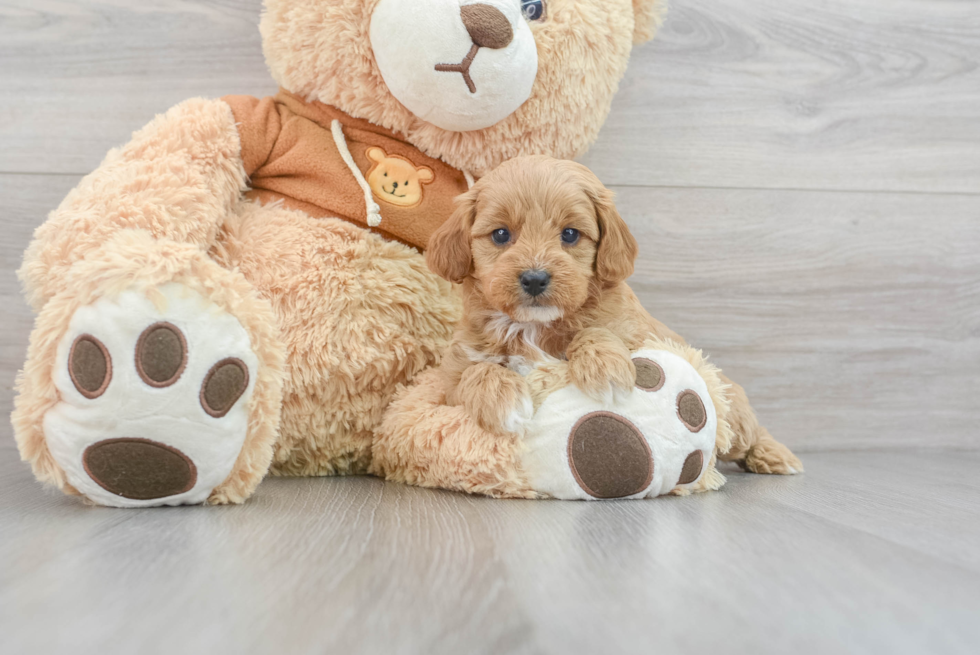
691 410
223 386
140 469
89 366
649 374
609 456
692 468
161 354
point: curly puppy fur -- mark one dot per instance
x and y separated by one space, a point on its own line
538 216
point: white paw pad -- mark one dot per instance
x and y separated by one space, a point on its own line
154 398
644 444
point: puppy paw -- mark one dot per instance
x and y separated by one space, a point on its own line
497 398
768 456
599 365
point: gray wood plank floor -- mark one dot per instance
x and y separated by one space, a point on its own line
866 553
804 180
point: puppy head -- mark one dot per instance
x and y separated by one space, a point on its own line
537 237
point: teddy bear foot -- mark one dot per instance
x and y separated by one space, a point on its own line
154 391
658 439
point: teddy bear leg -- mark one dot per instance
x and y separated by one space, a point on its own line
360 316
154 381
753 448
660 438
424 442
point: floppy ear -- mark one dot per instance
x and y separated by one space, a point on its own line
648 16
617 245
375 154
448 253
426 175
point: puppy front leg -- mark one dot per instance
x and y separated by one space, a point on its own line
496 397
599 364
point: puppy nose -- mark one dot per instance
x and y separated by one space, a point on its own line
487 25
535 283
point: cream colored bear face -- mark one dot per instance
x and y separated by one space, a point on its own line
472 82
474 67
396 180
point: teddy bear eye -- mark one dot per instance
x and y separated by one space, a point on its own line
500 236
533 9
386 175
569 236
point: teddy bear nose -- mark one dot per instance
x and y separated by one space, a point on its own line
535 283
487 25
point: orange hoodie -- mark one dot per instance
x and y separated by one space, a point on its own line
315 158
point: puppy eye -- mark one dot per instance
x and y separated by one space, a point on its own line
569 236
500 237
533 9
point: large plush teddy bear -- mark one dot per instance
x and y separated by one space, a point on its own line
241 287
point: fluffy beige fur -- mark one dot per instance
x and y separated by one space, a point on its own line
359 315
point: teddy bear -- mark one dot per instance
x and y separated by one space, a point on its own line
239 290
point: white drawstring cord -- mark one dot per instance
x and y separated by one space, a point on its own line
373 209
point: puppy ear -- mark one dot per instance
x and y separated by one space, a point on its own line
448 253
617 245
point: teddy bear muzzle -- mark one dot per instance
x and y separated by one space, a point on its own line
460 67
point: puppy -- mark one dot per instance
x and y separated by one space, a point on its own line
542 256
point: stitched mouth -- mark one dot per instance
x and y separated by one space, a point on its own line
392 193
462 67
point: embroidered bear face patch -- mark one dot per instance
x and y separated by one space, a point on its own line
396 180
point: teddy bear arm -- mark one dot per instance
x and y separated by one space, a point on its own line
177 179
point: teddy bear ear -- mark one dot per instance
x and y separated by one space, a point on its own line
375 154
426 175
648 16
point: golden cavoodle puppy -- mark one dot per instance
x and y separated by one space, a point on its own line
542 256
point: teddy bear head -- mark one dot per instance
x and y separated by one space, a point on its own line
472 82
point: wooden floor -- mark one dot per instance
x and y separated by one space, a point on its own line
866 553
804 180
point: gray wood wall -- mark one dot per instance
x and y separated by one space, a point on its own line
804 178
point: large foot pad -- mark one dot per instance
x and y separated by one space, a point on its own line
659 438
154 391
